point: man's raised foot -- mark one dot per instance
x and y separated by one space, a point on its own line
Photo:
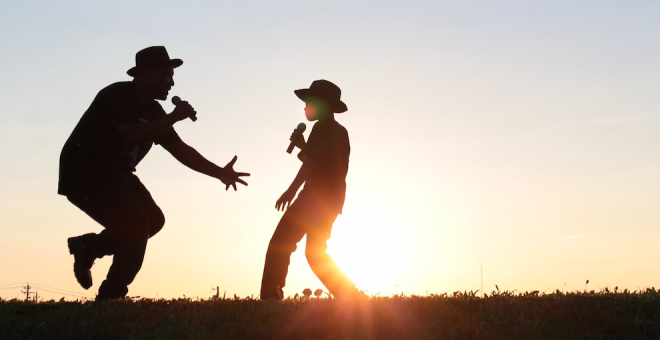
82 249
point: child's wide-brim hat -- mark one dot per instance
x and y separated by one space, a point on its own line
150 57
326 91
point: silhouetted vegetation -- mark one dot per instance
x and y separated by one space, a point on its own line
500 315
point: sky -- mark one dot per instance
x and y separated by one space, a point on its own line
521 136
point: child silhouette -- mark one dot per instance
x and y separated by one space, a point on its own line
325 164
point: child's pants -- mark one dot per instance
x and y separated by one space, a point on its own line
303 217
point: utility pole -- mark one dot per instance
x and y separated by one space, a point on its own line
27 292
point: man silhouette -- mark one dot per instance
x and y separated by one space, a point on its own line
324 168
98 160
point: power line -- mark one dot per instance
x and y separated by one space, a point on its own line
66 294
29 289
40 286
59 293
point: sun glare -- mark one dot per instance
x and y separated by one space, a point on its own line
371 249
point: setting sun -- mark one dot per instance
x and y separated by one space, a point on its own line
371 249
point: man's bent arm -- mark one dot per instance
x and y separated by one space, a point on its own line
144 132
140 133
189 157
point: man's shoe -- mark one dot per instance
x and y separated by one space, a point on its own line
82 249
109 291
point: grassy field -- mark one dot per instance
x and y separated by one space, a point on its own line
501 315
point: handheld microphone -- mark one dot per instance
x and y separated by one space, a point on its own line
296 134
176 100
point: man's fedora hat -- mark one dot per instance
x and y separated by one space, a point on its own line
325 90
150 57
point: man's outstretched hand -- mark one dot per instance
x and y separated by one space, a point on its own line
230 177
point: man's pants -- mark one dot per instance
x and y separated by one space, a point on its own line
300 219
125 208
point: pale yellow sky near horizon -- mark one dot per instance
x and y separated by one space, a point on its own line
521 136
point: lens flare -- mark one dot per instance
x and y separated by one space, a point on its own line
371 249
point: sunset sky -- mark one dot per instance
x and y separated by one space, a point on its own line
521 135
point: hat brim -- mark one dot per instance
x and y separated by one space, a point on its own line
337 106
134 71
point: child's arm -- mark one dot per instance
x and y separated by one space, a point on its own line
288 196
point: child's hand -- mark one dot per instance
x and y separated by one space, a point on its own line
300 139
285 200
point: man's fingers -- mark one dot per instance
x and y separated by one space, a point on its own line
233 160
188 107
227 188
238 174
242 182
234 185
